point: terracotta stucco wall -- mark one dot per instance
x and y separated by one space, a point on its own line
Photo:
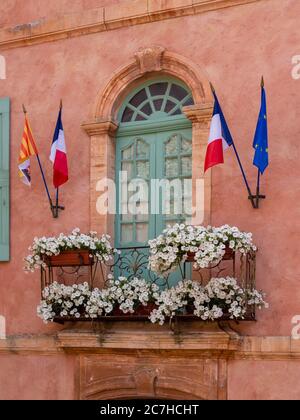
28 378
264 380
15 11
233 47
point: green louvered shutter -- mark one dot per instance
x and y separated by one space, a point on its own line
4 178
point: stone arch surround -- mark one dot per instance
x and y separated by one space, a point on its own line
102 126
148 62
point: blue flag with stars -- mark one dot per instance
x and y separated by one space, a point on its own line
260 143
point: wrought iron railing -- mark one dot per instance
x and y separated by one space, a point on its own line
133 262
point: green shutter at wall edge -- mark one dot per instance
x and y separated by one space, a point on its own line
4 178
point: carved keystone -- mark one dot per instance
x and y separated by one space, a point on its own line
149 59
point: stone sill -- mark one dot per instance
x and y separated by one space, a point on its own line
202 339
127 13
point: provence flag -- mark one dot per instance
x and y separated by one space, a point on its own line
219 137
28 149
58 155
260 143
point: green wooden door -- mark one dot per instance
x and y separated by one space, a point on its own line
143 162
4 178
153 164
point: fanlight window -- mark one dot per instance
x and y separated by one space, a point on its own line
158 100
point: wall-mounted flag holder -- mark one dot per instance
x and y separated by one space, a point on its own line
31 151
220 139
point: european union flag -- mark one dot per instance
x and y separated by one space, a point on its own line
260 143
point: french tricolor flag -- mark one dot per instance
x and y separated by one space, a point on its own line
58 155
219 138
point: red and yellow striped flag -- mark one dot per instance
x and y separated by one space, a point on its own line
28 149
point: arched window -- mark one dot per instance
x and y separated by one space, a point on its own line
157 99
153 163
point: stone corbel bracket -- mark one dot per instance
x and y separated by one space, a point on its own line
99 127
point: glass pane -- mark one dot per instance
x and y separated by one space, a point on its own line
157 104
142 149
142 232
172 208
143 169
177 111
128 167
171 146
126 217
147 109
140 97
187 186
171 222
176 208
186 146
186 165
127 115
142 211
124 198
187 206
140 118
169 106
172 168
158 89
178 92
127 233
188 102
127 154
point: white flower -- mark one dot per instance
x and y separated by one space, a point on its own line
59 300
100 247
171 248
221 296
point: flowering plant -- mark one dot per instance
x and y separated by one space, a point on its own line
60 300
99 247
79 301
221 296
126 295
172 247
174 301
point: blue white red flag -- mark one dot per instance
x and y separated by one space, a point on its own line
219 138
58 155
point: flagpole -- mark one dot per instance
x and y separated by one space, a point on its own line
42 173
250 195
258 189
262 84
56 205
57 189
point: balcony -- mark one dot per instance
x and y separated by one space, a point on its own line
78 267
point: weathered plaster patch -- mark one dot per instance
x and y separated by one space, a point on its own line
2 68
2 327
26 26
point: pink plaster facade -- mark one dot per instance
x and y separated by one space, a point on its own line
232 47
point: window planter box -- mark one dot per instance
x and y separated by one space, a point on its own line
70 259
249 317
229 255
140 311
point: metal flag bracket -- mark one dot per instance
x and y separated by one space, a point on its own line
53 208
254 198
